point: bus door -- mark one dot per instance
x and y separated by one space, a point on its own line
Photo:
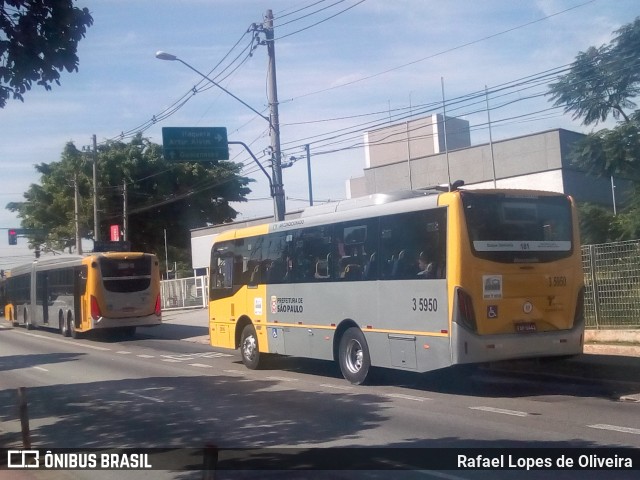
79 289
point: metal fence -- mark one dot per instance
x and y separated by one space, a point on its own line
611 276
182 293
612 280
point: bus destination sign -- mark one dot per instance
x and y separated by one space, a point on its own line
195 144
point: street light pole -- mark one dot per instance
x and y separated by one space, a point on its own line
277 190
96 222
278 184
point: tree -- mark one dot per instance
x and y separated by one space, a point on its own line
604 81
39 40
175 197
610 152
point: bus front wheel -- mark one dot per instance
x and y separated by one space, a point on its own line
353 356
249 348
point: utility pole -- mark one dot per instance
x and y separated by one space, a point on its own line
125 215
76 213
306 147
96 222
276 164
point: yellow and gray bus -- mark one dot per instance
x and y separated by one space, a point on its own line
77 294
416 281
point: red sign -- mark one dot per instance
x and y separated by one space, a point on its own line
115 233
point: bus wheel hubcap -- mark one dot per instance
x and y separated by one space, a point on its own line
249 347
354 356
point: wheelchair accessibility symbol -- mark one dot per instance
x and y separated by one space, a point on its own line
274 333
492 311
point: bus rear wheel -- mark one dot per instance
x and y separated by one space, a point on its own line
128 332
27 325
63 326
353 356
249 348
71 326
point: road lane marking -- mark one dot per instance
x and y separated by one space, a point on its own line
171 360
142 355
406 397
41 369
134 394
501 410
337 387
123 352
238 372
282 379
200 365
178 357
615 428
446 476
68 342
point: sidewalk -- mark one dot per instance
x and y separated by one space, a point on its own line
613 342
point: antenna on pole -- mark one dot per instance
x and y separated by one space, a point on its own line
493 162
444 117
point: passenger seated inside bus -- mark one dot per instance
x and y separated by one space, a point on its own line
426 268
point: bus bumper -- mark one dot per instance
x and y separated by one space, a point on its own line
109 322
473 348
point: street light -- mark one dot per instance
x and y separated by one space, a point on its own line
277 189
167 56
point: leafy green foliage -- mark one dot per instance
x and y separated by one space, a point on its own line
160 196
604 81
611 152
39 40
596 224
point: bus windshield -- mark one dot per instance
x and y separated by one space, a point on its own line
512 228
126 275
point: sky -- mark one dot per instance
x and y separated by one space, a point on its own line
342 67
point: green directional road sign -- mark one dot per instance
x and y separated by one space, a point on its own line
195 144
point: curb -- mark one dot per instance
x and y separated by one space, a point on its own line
613 336
610 349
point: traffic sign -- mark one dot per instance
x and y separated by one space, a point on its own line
195 144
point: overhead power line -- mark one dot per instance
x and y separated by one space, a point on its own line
443 52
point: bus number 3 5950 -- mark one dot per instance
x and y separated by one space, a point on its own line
425 304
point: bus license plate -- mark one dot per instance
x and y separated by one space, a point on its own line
527 327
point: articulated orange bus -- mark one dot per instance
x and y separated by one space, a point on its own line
103 291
